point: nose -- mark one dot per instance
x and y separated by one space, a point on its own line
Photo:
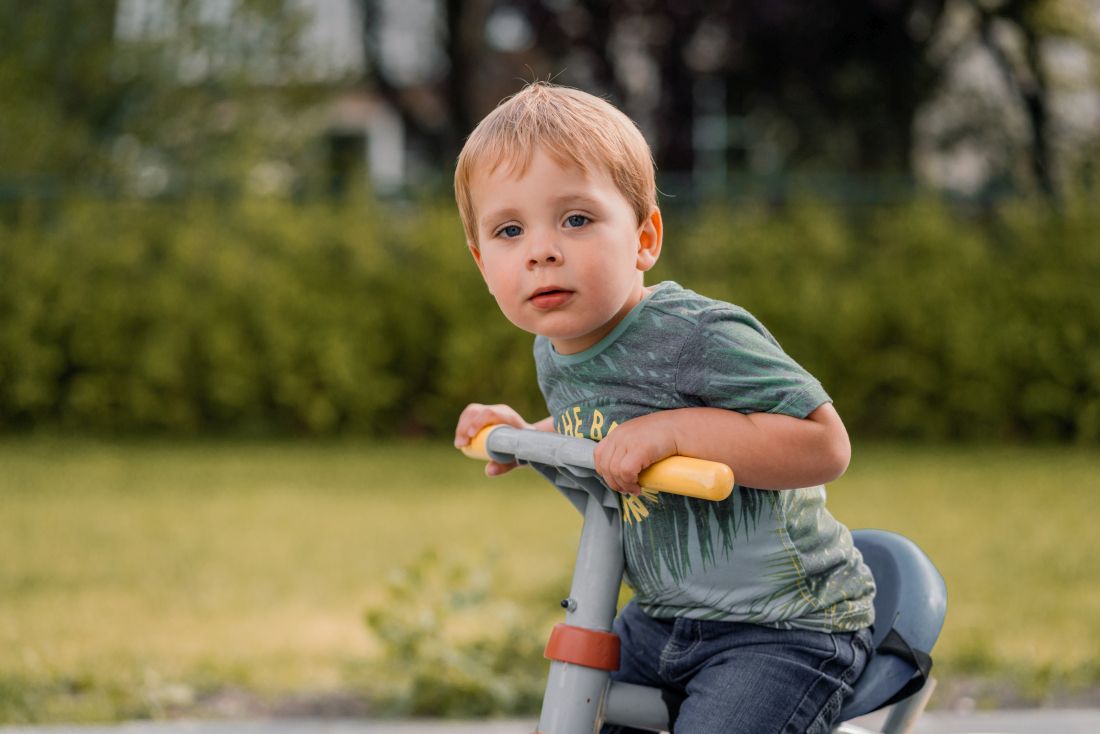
545 250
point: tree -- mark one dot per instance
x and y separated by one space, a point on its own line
60 100
147 98
806 88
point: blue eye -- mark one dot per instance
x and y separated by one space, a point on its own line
511 230
576 220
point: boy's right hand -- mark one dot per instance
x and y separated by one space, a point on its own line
475 417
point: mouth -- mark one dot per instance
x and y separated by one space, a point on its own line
550 296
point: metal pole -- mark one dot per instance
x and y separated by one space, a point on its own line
904 714
574 693
639 707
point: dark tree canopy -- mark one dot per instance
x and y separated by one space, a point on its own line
768 84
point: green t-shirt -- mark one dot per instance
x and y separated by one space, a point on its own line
776 558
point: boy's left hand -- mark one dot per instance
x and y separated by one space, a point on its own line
630 449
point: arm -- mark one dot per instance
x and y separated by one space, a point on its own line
765 450
476 416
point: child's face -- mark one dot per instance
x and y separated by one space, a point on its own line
562 252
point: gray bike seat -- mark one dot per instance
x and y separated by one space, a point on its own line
910 605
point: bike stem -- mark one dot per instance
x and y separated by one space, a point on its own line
574 693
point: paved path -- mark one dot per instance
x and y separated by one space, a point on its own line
1038 721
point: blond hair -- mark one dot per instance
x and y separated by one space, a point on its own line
572 127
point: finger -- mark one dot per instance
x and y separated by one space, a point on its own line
619 480
495 468
602 458
629 467
466 420
476 422
473 420
619 469
625 481
462 438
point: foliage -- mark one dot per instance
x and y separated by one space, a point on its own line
452 645
371 319
773 85
150 99
144 317
154 99
922 324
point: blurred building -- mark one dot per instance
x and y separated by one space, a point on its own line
364 137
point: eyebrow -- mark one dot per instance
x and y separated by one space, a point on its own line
576 199
497 216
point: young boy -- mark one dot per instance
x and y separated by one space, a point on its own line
755 609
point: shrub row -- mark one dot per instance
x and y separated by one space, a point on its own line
249 317
265 317
921 324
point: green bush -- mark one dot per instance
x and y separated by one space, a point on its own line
252 316
245 317
922 324
453 645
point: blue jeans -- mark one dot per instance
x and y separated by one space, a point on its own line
735 678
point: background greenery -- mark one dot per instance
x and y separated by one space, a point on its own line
183 255
151 579
256 552
259 317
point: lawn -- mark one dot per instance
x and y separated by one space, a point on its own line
143 579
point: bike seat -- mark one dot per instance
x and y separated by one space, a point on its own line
910 605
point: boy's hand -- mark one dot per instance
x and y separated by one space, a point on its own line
477 416
631 448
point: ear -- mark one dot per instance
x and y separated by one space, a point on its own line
650 237
476 252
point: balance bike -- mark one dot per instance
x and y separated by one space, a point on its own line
910 602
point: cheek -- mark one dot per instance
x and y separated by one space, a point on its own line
502 283
611 268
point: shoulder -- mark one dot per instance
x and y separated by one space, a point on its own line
705 315
674 300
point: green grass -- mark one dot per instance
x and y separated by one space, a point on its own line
1015 533
135 577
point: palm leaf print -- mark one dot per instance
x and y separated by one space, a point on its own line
740 513
658 538
674 549
643 569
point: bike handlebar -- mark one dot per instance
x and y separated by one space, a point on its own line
684 475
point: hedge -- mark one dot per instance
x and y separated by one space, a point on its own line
263 317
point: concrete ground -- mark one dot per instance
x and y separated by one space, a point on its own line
1034 721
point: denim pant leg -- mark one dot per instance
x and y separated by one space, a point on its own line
741 678
747 679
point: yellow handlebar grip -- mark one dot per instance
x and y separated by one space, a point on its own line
477 448
708 480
